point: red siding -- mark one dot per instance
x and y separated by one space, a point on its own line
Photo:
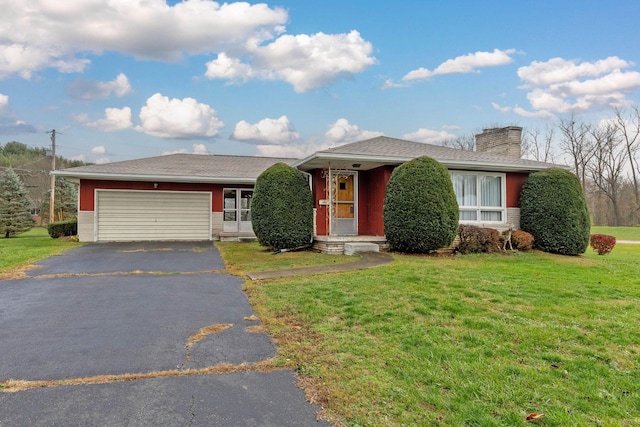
515 181
371 192
88 187
320 193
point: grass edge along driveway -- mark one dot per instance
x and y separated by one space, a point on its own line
467 340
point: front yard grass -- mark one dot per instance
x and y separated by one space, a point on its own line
468 340
247 257
28 247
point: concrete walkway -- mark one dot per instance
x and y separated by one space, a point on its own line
367 260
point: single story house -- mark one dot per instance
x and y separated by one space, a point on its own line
208 197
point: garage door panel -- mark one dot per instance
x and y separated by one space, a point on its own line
153 215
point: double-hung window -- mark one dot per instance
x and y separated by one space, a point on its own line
481 196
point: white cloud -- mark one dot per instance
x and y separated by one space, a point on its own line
464 64
196 149
342 132
307 62
562 86
56 34
178 118
500 108
115 119
99 150
291 151
428 135
558 70
272 131
79 158
4 103
225 67
390 84
91 89
102 161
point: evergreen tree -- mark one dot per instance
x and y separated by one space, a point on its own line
15 215
66 203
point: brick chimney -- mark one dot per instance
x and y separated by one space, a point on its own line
502 141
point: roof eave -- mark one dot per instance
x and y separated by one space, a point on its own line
160 178
450 164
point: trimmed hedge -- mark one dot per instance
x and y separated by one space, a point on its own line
553 209
420 207
475 240
602 243
63 228
522 240
282 208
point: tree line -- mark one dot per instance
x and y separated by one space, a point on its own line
32 166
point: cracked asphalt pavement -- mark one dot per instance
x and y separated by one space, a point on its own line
60 324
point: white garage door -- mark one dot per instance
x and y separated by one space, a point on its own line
152 215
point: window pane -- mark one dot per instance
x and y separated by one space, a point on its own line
468 215
491 191
245 215
245 199
230 215
229 199
490 216
465 189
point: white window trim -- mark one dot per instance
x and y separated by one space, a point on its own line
478 209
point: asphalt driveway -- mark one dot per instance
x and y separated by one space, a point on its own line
80 316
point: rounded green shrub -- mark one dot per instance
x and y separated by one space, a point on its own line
420 207
282 208
553 209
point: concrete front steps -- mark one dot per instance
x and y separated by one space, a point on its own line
352 247
342 244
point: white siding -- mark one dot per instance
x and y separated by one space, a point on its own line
153 215
85 226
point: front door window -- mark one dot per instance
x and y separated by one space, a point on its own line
343 204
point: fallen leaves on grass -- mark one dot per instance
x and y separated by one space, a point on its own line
534 416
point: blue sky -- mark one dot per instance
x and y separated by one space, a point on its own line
128 79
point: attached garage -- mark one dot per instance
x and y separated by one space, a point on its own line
122 215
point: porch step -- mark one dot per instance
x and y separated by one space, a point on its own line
351 248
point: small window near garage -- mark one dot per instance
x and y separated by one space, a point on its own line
480 196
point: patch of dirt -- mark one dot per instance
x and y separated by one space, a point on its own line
18 273
255 329
252 318
206 331
268 365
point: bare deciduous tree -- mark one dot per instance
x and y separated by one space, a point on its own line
607 164
628 126
577 145
538 145
464 142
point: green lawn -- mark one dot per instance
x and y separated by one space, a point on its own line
620 233
469 340
29 247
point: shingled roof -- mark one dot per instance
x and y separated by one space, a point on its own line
384 150
179 167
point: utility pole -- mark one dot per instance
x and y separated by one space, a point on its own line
52 198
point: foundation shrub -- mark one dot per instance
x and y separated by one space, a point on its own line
553 209
522 240
420 207
474 239
282 208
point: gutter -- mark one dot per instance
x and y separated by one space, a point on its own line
158 178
